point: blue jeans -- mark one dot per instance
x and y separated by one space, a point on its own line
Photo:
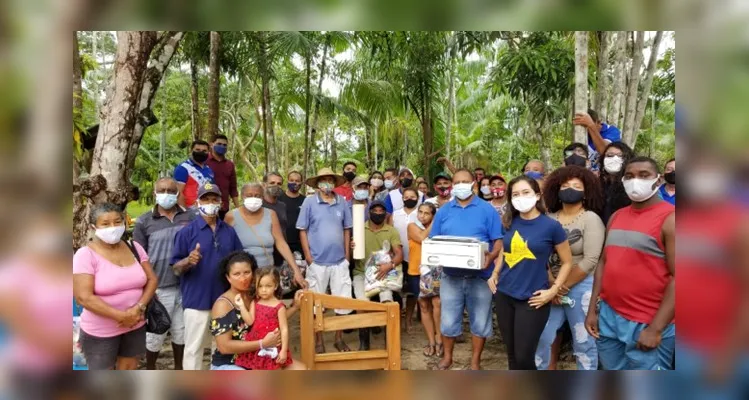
617 344
461 293
583 345
227 367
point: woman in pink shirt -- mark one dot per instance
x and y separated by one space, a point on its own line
113 288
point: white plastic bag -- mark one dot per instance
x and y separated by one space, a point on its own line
393 280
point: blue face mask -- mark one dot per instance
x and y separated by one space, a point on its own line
219 149
534 175
361 194
293 187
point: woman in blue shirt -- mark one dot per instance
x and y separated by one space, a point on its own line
523 294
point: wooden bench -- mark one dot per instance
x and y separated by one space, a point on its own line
368 314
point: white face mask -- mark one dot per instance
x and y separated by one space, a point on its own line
613 164
486 190
376 182
524 203
361 194
209 210
707 184
166 200
111 235
640 190
463 190
389 184
253 203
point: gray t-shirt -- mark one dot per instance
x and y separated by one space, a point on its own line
586 235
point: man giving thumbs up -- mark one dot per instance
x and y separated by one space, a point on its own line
198 249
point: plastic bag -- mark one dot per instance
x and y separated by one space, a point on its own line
158 320
393 280
79 361
429 282
287 273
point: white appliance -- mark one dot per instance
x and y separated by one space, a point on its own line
454 252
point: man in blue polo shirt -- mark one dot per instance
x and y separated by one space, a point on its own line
198 249
599 135
324 225
462 289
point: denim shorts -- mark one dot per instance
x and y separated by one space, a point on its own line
102 353
411 285
226 367
465 293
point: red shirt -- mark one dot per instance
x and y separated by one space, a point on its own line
225 176
347 192
636 275
709 282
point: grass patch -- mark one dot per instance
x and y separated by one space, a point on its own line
136 209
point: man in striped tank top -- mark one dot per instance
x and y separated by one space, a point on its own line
635 326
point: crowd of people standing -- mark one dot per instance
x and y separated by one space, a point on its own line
588 245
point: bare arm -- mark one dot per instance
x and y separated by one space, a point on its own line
181 197
152 283
305 246
418 235
248 313
280 242
283 324
229 219
347 242
83 290
397 255
227 345
666 311
492 255
565 255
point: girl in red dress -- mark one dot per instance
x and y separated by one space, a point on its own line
266 314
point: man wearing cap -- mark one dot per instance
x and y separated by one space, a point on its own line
394 200
198 249
443 187
376 232
325 231
346 190
498 186
361 192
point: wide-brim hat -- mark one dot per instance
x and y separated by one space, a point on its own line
312 182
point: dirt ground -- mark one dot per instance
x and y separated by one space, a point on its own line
412 348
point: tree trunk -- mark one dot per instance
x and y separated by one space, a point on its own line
316 114
376 154
367 146
602 82
620 78
270 139
333 150
647 84
213 85
307 109
77 97
426 128
581 82
634 82
194 94
544 145
108 181
450 106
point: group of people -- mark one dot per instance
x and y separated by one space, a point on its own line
590 244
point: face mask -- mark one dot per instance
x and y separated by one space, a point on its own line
326 187
498 192
534 175
707 185
410 203
199 156
443 191
361 194
670 178
463 190
486 190
613 164
274 191
166 200
575 160
376 182
111 235
571 196
209 210
640 190
253 203
219 149
293 187
406 182
377 219
389 184
524 203
349 176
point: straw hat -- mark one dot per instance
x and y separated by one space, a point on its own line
312 182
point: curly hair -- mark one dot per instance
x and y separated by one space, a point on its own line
593 200
273 272
613 188
224 267
512 213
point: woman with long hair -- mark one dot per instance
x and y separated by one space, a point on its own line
613 160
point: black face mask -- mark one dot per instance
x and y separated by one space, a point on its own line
406 182
199 156
575 160
571 196
349 176
377 219
670 178
410 203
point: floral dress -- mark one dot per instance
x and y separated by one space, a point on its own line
230 322
266 321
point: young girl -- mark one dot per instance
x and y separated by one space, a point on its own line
265 314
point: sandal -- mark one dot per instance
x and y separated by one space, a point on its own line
438 367
439 350
342 347
429 350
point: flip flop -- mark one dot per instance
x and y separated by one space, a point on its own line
342 347
439 350
429 350
438 367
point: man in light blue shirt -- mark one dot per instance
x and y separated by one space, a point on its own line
462 289
324 225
